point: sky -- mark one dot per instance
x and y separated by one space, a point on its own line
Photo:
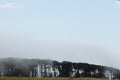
70 30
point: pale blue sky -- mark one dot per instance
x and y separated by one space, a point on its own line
59 29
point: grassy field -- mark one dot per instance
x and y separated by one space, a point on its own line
15 78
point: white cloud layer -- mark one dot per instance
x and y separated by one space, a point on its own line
8 5
118 4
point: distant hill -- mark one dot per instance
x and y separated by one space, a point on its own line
51 68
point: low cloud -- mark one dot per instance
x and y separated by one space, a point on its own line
8 5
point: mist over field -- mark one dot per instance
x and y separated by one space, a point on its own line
23 46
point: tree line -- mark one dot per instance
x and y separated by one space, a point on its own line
50 68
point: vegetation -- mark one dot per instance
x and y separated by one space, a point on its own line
12 67
17 78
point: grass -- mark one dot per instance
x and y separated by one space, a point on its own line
21 78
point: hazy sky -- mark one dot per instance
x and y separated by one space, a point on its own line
72 30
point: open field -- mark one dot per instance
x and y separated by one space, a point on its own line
15 78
